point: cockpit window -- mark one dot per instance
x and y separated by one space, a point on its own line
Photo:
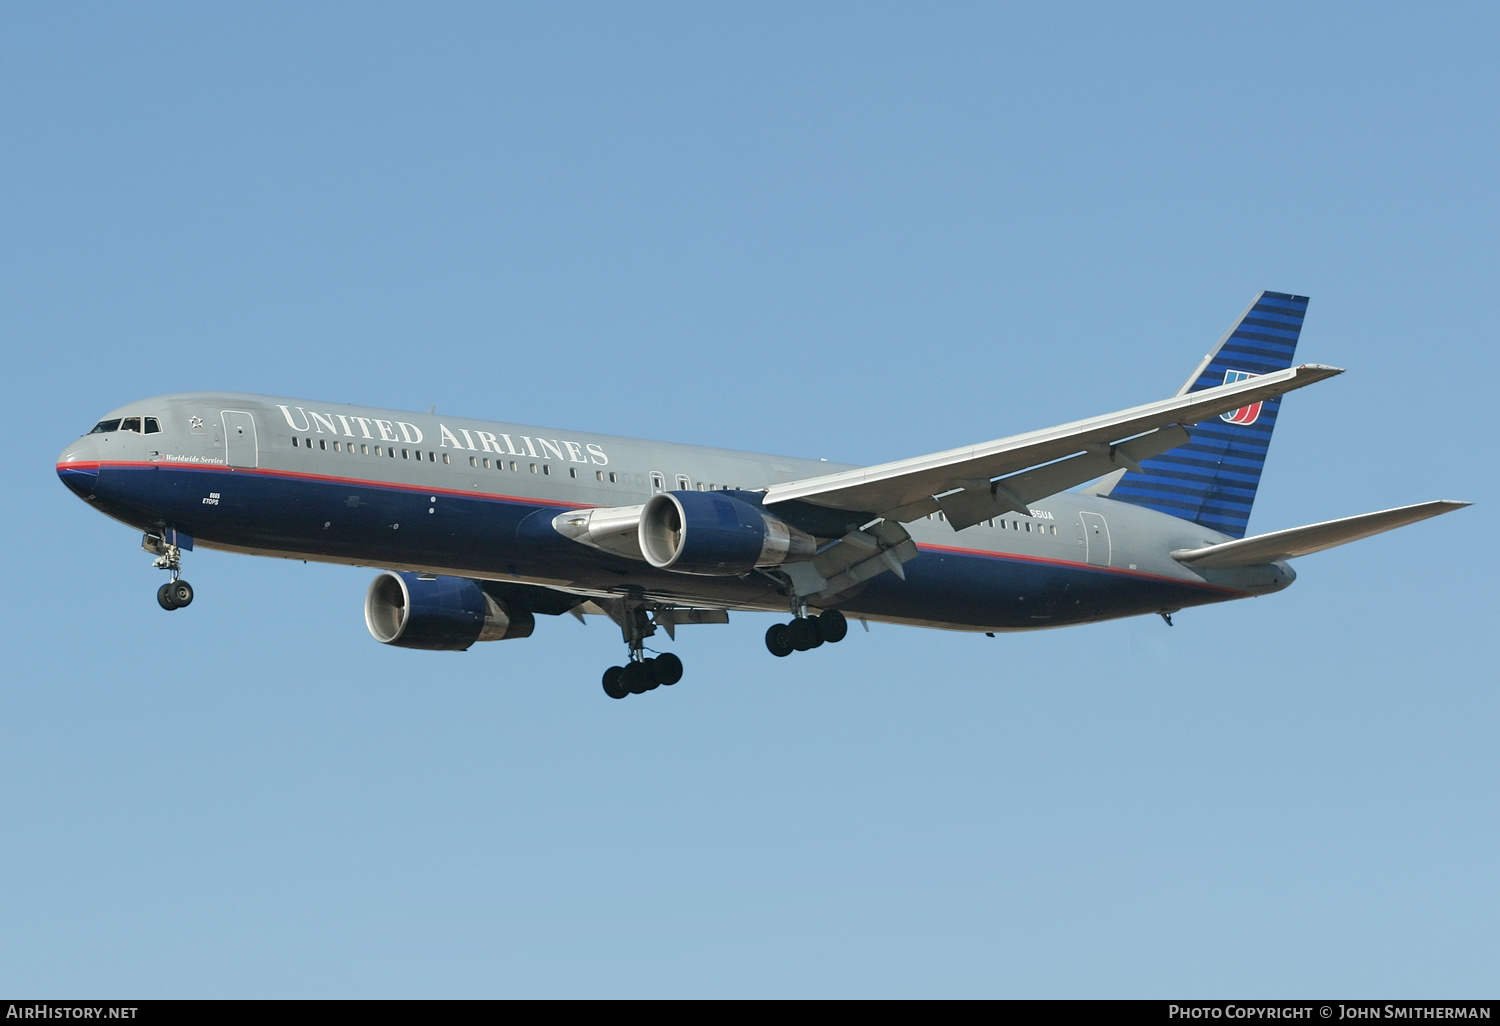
131 424
104 426
152 426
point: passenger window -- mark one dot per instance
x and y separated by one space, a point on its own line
599 474
378 451
658 483
547 469
322 444
572 471
611 477
486 463
683 484
1054 528
152 425
391 452
364 450
105 426
336 447
533 468
446 459
514 466
473 462
131 424
294 441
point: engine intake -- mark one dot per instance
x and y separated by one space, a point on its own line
443 614
717 534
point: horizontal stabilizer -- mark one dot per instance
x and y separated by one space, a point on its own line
1299 541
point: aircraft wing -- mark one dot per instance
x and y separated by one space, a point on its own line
1299 541
962 482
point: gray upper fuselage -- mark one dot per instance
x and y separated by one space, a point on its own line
333 449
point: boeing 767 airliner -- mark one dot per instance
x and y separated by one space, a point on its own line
480 526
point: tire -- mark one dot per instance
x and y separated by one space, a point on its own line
832 626
164 597
182 593
777 641
649 665
612 686
803 634
667 669
636 678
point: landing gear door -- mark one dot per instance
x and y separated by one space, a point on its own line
1096 543
240 448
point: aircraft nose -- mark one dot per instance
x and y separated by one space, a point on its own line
78 466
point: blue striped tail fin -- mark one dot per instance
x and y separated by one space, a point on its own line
1212 480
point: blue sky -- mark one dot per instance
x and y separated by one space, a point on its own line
862 232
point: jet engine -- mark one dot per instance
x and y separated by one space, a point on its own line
718 534
444 614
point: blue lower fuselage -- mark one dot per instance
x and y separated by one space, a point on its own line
511 538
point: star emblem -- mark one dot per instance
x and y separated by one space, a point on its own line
195 423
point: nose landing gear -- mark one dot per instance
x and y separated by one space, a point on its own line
176 593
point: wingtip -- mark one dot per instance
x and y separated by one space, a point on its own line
1321 369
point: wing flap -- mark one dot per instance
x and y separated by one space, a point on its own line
907 485
1016 493
1300 541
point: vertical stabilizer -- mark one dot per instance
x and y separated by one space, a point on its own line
1212 480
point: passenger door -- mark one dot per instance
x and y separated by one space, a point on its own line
1096 543
240 447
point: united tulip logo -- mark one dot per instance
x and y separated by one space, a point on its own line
1245 415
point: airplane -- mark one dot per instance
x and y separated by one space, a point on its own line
478 527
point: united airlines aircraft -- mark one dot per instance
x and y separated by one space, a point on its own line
479 527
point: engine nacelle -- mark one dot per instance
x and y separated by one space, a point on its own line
714 533
614 529
443 614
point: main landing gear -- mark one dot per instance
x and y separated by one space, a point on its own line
642 673
176 593
806 632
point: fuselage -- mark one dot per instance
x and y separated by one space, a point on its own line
471 498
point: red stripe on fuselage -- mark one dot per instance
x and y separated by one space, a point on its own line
526 500
1073 564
